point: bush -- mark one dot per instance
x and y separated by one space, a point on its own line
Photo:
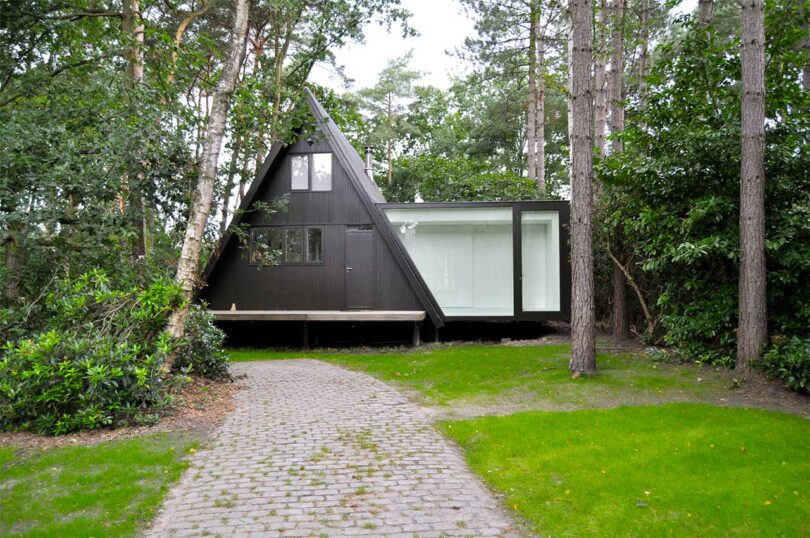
789 360
97 363
200 351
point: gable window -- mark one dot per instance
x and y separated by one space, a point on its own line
300 172
312 172
291 245
321 171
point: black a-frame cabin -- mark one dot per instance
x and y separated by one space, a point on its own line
350 260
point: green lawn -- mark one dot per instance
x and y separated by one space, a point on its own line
110 489
530 377
671 470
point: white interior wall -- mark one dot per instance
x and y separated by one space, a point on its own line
464 255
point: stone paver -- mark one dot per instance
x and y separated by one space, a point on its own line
315 450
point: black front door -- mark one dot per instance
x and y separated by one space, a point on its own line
359 269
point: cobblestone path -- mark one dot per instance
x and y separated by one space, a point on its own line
316 450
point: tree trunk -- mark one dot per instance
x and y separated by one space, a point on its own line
11 290
600 85
705 12
132 26
185 22
752 333
189 262
620 322
805 49
540 111
531 98
229 185
644 53
258 52
570 111
621 311
583 320
617 77
388 142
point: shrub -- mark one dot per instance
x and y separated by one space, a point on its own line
96 364
200 351
789 360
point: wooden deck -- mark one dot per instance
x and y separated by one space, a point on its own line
319 315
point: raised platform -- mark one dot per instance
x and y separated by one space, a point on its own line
319 315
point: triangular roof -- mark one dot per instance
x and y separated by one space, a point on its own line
367 190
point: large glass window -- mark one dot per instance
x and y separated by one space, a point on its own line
540 253
300 172
322 172
463 254
314 245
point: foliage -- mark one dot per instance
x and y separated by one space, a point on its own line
675 190
201 351
107 489
789 360
664 470
97 362
443 179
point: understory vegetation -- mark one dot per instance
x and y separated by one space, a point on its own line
96 357
109 489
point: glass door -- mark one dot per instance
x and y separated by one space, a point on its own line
538 262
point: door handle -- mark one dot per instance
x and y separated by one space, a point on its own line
348 268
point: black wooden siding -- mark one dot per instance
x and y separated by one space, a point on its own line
307 287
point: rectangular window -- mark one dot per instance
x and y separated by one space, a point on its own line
322 172
277 245
315 245
464 255
311 172
540 239
300 172
294 247
266 245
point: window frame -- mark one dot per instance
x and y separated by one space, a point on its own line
311 170
304 229
307 261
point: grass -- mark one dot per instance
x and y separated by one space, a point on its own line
530 377
671 470
110 489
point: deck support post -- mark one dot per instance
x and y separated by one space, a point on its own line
416 339
306 335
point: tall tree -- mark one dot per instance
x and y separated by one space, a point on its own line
600 80
805 45
752 332
531 118
583 318
644 52
705 12
133 27
620 322
385 104
188 265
